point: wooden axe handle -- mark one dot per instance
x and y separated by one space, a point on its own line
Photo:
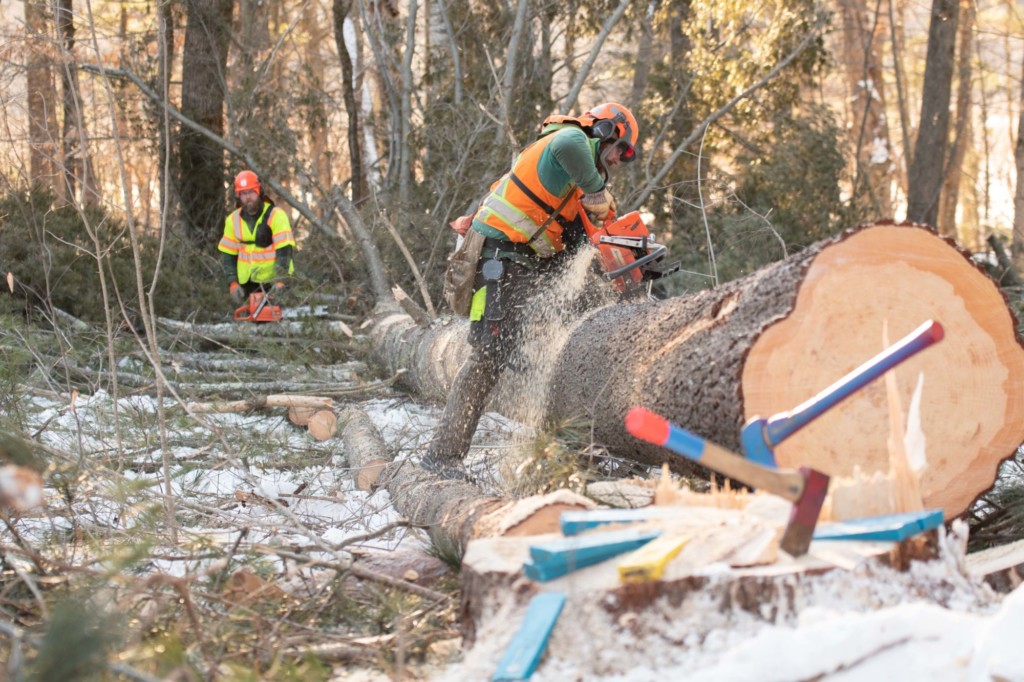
653 428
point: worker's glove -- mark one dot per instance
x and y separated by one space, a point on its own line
236 292
278 290
599 204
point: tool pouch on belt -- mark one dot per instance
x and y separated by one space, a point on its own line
492 271
461 273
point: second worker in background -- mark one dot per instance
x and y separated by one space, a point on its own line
258 244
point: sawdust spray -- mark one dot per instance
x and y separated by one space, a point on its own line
558 307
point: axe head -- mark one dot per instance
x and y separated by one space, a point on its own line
755 444
804 516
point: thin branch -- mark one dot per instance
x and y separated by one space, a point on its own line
698 132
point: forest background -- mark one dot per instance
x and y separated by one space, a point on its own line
764 127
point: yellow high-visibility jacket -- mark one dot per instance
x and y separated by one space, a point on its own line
257 264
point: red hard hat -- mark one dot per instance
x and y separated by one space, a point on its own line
247 180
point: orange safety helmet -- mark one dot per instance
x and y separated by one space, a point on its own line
613 122
247 180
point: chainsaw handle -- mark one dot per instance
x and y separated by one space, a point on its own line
588 225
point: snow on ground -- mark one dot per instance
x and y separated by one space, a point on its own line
869 624
873 623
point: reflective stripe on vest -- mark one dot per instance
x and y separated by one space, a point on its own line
252 259
519 204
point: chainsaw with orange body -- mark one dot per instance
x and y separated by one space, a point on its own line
629 256
258 309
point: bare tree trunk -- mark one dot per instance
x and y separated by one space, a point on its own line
453 49
319 141
928 167
950 198
374 32
78 170
508 80
595 50
404 149
897 42
1018 197
200 162
340 11
44 157
766 343
165 57
862 43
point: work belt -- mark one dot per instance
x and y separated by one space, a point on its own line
502 249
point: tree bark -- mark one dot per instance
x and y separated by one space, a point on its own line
863 31
453 512
928 167
44 161
200 161
79 176
1018 197
764 344
340 11
950 198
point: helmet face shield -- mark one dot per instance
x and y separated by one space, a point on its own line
615 153
628 154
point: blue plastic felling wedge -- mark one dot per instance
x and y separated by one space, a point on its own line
558 557
574 522
527 646
890 527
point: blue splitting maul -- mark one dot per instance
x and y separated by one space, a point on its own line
759 436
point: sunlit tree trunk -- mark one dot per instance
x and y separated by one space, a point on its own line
864 30
200 172
897 41
947 222
165 65
1018 197
405 167
79 177
44 161
341 19
319 142
928 166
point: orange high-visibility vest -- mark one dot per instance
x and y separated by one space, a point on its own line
519 204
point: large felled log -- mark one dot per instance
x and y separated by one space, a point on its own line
453 512
767 342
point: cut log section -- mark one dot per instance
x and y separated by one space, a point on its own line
311 402
300 415
322 424
767 342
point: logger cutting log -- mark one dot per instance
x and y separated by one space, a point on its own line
257 248
531 224
761 345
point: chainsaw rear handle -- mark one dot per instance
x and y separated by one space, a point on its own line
588 225
654 254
